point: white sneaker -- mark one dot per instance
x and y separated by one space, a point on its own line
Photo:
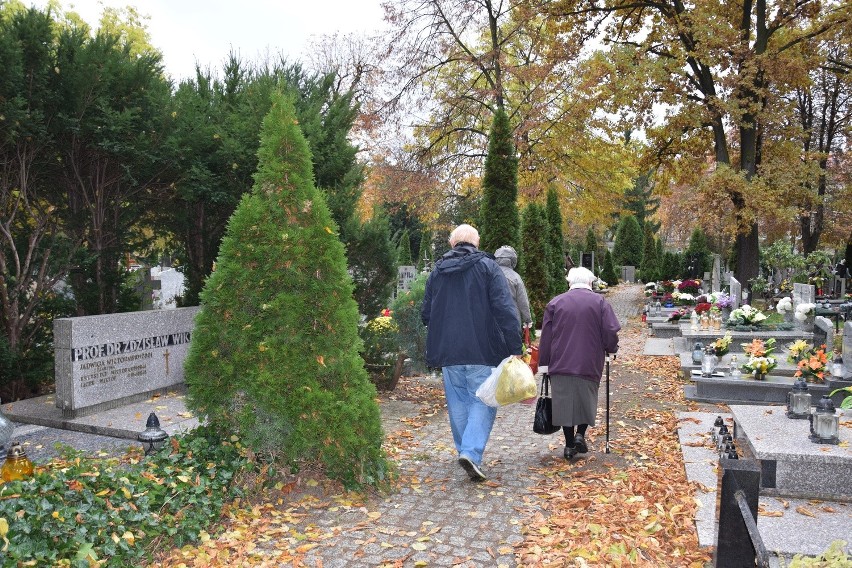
472 469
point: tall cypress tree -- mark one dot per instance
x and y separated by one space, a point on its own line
627 250
274 355
650 262
498 216
534 254
555 240
404 248
592 246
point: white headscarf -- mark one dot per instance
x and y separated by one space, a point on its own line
581 277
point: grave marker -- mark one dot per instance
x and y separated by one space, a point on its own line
736 293
628 274
847 349
715 277
106 361
405 275
823 332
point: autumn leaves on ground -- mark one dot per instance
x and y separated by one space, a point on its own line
631 507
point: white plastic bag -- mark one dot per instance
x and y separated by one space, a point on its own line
511 381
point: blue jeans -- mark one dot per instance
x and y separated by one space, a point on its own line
470 418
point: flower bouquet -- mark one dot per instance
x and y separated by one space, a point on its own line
746 315
797 350
683 298
702 307
812 364
689 286
721 299
759 361
804 310
785 305
677 315
722 345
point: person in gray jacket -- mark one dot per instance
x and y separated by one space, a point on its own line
507 258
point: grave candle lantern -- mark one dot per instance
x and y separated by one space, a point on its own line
799 400
717 425
658 308
708 361
153 437
17 465
825 424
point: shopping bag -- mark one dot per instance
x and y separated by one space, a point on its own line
532 352
543 421
511 381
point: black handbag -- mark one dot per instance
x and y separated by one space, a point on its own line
543 422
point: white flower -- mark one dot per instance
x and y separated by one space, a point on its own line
759 316
805 309
784 305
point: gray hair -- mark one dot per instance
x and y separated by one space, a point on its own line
464 233
581 276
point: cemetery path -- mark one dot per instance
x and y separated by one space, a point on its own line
632 506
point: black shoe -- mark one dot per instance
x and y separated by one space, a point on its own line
472 469
580 444
570 452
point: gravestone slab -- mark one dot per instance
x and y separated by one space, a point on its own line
847 350
628 274
736 293
716 278
805 293
587 260
823 332
405 275
802 468
105 361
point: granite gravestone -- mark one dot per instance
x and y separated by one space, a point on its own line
716 274
587 260
405 275
847 350
823 332
736 293
628 274
103 362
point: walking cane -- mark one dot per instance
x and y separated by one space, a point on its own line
607 403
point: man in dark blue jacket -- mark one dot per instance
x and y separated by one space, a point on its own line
472 326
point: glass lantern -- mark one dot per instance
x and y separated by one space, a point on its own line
735 366
799 400
717 425
697 353
658 309
708 361
705 322
825 424
17 465
837 367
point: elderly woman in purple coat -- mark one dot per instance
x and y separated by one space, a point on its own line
578 329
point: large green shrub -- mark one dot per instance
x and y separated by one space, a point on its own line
650 262
608 274
411 333
274 355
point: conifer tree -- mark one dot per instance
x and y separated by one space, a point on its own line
650 263
697 254
555 240
608 274
404 248
274 355
591 246
534 263
627 250
498 216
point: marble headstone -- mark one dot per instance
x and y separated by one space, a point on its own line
823 332
736 293
405 274
847 350
715 277
105 361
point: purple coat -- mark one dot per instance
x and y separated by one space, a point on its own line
578 329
